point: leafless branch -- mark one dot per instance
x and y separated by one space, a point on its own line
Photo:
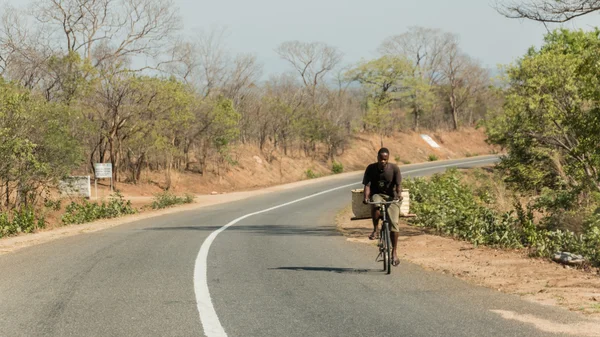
551 11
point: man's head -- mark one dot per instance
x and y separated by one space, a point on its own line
383 155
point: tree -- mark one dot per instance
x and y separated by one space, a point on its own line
107 31
547 10
162 114
426 48
551 127
222 128
36 147
463 80
385 80
24 48
313 61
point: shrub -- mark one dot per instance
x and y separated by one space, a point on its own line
87 211
337 167
166 199
21 221
432 157
400 160
310 174
453 208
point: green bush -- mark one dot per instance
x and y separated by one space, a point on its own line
89 211
53 205
166 199
454 209
432 157
337 167
310 174
400 160
22 221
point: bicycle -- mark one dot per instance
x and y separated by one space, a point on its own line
385 240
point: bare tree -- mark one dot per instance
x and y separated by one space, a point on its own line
463 78
202 61
109 30
552 11
426 48
24 51
244 73
311 60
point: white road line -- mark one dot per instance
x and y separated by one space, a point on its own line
208 316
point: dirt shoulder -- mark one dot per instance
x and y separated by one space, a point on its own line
508 271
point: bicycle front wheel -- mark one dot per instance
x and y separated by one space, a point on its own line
388 249
383 247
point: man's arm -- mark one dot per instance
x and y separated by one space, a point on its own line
398 183
367 182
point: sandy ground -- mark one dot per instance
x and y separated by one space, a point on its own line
508 271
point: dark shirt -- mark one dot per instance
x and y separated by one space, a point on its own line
383 181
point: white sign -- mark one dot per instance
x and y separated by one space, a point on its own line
74 186
430 141
103 170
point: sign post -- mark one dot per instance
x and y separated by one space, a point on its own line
103 170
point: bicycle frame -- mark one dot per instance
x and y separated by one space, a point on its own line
385 242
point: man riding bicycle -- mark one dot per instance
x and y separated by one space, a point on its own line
383 182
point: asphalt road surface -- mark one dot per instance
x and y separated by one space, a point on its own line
278 268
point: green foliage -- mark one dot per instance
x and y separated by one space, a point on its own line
36 144
52 204
73 77
89 211
453 208
551 125
384 79
337 167
21 221
449 206
225 120
432 157
310 174
166 199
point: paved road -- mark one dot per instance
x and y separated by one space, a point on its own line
281 272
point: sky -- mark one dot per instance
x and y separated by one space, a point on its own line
358 27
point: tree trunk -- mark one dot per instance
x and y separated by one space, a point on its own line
113 159
416 118
454 111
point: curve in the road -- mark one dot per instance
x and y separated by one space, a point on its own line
208 316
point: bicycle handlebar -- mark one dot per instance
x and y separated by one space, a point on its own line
383 202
